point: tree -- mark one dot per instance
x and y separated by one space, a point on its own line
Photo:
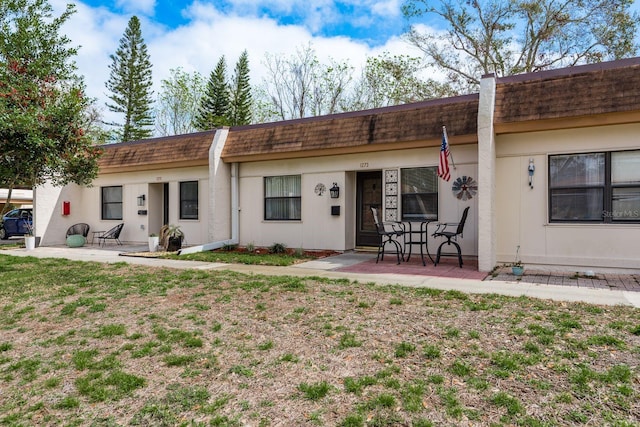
178 101
517 36
215 103
130 85
393 80
241 101
42 103
301 86
93 123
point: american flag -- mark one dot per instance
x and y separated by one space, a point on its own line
443 165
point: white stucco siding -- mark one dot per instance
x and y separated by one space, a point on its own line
318 229
86 205
522 212
50 225
219 222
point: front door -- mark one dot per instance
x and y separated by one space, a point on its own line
368 194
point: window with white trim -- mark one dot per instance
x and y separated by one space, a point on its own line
419 193
595 187
282 198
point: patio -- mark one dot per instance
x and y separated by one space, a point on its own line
448 267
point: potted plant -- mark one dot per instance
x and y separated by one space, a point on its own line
154 241
29 238
517 268
171 237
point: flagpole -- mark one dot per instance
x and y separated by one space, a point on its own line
444 131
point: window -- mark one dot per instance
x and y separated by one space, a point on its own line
282 198
112 202
596 187
419 192
189 200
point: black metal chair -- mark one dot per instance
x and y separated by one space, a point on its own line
80 228
441 231
113 234
388 232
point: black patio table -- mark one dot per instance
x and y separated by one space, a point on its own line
417 236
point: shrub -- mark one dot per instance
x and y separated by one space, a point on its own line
278 248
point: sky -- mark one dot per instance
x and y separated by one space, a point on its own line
194 35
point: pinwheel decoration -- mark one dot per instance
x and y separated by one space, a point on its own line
464 188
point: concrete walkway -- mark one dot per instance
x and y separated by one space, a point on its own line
332 267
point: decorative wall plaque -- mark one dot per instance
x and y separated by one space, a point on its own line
391 175
391 202
464 188
391 195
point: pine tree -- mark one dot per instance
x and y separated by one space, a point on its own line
241 100
214 107
130 85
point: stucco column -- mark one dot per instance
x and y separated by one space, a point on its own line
487 240
219 189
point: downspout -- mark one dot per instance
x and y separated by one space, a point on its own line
235 211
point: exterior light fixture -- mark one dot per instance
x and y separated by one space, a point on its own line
532 169
141 200
334 191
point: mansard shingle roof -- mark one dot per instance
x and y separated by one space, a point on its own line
604 89
158 153
402 126
589 95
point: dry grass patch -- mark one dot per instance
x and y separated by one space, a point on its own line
92 344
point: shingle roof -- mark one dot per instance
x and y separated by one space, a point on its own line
157 153
589 90
418 124
602 93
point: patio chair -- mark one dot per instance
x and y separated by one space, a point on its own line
388 232
113 234
81 228
77 235
441 231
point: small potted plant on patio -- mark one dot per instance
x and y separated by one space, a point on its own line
29 238
154 241
171 237
517 268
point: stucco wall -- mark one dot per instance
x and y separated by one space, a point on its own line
49 223
522 212
318 229
86 206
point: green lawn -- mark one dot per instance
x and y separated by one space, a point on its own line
106 345
249 258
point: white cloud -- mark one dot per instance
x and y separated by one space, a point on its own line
145 7
389 8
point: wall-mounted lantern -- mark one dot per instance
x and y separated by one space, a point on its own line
334 191
141 200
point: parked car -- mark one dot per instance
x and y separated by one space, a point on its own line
16 223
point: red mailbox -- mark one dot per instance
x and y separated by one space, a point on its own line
66 208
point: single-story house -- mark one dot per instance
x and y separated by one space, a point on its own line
548 162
